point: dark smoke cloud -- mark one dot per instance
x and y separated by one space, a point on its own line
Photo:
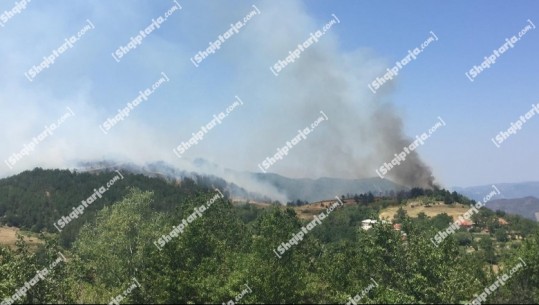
362 133
363 130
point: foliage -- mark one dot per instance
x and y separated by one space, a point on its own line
227 247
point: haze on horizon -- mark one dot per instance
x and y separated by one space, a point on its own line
363 129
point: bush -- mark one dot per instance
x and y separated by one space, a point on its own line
463 238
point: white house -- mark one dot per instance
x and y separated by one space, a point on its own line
368 223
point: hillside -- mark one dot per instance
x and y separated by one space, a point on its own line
320 189
35 200
206 175
526 207
507 190
151 234
8 237
413 208
252 186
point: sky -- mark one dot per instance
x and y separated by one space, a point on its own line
331 76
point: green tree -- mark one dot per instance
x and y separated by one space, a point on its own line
441 221
400 216
116 248
501 235
488 251
279 280
523 285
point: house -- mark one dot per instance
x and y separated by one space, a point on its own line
397 226
467 224
368 224
502 222
404 235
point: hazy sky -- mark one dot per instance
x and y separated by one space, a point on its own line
331 76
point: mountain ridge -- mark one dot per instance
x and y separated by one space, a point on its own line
248 185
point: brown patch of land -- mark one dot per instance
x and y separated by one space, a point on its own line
415 207
8 237
308 211
305 212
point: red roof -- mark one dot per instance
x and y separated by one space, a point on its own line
502 221
465 223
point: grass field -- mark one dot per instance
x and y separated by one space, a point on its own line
305 212
413 208
8 237
416 207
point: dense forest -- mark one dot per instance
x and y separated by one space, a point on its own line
228 248
36 199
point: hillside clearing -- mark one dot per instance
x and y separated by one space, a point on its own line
415 207
8 237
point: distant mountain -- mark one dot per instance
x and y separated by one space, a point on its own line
527 207
172 174
37 199
255 186
507 190
326 188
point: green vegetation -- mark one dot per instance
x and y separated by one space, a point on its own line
35 200
227 247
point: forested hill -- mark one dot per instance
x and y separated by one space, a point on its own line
36 199
148 232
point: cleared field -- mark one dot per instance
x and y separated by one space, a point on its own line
8 237
305 212
309 211
414 208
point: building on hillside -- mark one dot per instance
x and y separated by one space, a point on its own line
398 227
537 216
368 224
466 224
502 222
